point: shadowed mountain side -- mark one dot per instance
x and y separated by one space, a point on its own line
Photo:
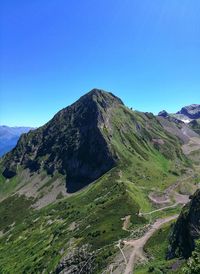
191 111
71 143
186 229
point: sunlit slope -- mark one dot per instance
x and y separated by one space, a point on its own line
90 137
130 154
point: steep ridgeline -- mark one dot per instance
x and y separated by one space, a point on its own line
192 111
88 138
195 125
178 128
128 153
186 114
71 143
186 229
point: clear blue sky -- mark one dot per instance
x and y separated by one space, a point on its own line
53 51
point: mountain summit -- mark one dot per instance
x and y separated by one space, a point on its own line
88 138
191 111
72 143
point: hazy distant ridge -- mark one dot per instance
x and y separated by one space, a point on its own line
9 137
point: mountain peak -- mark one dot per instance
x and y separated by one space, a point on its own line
101 97
163 113
72 143
191 111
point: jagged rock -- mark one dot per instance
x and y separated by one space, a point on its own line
192 111
163 113
195 125
186 229
76 261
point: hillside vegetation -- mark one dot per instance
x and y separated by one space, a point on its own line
68 187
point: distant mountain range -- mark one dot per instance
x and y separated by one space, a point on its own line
189 115
9 137
186 114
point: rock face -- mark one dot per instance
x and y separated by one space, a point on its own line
195 125
71 143
186 114
77 261
186 229
192 111
163 113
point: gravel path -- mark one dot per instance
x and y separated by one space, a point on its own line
139 244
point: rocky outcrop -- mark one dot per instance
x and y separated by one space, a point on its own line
163 113
192 111
78 260
186 229
195 126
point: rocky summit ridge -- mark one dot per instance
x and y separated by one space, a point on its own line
186 230
71 143
191 111
186 114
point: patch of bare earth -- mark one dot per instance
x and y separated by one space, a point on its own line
72 226
181 198
36 186
51 194
159 199
163 198
126 223
119 263
32 184
131 251
191 146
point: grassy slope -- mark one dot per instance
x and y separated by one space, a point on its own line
45 236
13 210
6 187
35 244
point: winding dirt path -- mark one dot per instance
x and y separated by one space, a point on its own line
180 199
139 244
170 193
119 246
159 209
126 223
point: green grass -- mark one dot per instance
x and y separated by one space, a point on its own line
143 163
8 186
140 197
35 244
13 210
